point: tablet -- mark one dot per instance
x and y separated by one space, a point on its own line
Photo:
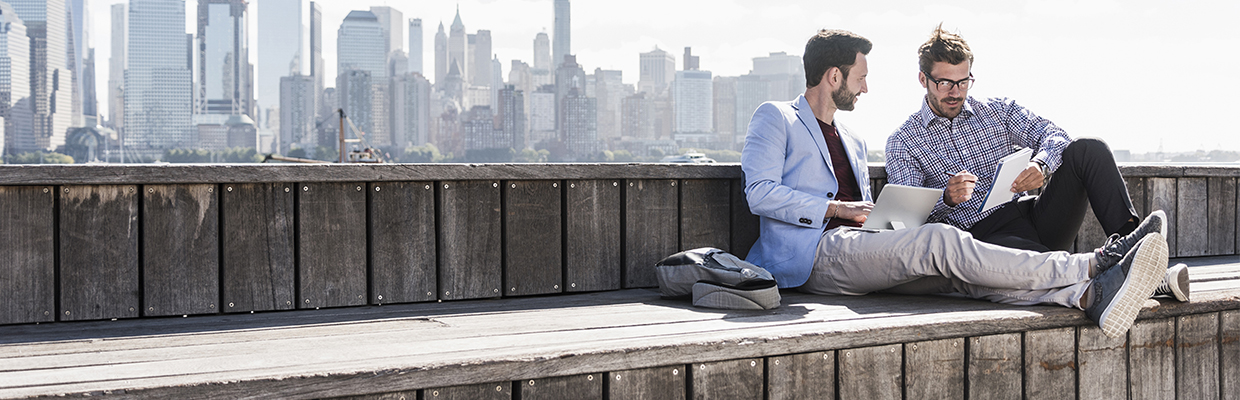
901 206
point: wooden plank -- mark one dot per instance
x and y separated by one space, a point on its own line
801 376
484 391
1163 196
331 232
533 240
732 379
28 246
470 234
995 367
934 369
592 230
1050 364
704 210
98 252
180 250
870 372
1091 235
583 387
258 261
402 242
1192 238
406 395
1100 358
659 383
1197 356
651 212
1222 216
1151 359
1229 356
745 225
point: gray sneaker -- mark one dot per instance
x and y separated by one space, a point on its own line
1117 246
1118 293
1174 283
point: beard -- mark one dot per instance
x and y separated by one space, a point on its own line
936 104
844 99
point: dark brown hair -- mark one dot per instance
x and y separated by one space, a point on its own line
943 46
832 48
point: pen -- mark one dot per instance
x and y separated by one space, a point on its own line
949 174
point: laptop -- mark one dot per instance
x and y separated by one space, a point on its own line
901 206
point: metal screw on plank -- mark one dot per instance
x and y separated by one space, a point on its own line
673 183
230 189
359 297
45 190
574 284
630 184
305 188
47 313
307 301
150 190
531 382
514 289
67 190
676 371
288 303
67 312
494 184
231 305
211 189
286 190
376 188
615 184
430 294
703 367
435 393
447 293
499 388
826 356
556 287
776 362
428 187
445 186
753 363
555 184
496 291
914 347
893 350
572 185
211 306
617 377
152 309
359 188
847 354
131 309
380 297
589 377
514 186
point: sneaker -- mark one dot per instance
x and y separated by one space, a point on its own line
1117 246
1174 283
1118 293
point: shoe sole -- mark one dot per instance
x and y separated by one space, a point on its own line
1144 275
1179 282
1162 219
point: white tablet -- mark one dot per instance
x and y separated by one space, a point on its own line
900 207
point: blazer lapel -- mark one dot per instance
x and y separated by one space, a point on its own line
806 115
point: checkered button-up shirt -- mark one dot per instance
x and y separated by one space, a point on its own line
927 145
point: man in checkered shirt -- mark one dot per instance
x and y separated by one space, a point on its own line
955 142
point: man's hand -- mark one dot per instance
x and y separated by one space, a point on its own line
850 210
959 188
1029 179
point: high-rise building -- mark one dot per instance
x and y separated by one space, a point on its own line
457 47
441 55
568 76
297 113
635 121
610 91
117 66
15 107
392 23
563 32
691 61
85 105
496 82
158 82
693 101
542 116
481 76
510 114
784 74
542 52
51 69
478 128
317 64
520 78
279 46
410 95
361 46
415 46
724 109
353 91
580 123
751 92
224 80
657 69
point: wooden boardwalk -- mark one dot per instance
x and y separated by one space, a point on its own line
875 346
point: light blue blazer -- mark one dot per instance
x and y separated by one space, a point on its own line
788 183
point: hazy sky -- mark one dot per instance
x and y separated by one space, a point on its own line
1143 75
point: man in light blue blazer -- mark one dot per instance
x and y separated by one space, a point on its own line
806 178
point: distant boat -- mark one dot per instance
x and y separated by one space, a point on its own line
690 157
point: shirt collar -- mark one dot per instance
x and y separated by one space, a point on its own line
928 116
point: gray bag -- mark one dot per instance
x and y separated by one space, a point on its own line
716 279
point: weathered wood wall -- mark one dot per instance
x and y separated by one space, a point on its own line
1193 356
102 242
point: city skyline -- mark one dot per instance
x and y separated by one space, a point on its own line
610 36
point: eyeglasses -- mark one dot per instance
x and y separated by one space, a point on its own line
946 85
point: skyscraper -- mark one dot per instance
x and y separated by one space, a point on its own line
410 96
317 64
361 46
691 61
693 101
392 23
510 114
579 126
297 113
568 76
542 52
724 110
83 64
15 107
457 47
415 46
441 55
563 32
51 71
117 66
158 83
657 69
279 46
481 68
610 91
224 82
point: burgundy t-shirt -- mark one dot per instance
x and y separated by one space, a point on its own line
848 190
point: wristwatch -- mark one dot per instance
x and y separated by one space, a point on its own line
1046 172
